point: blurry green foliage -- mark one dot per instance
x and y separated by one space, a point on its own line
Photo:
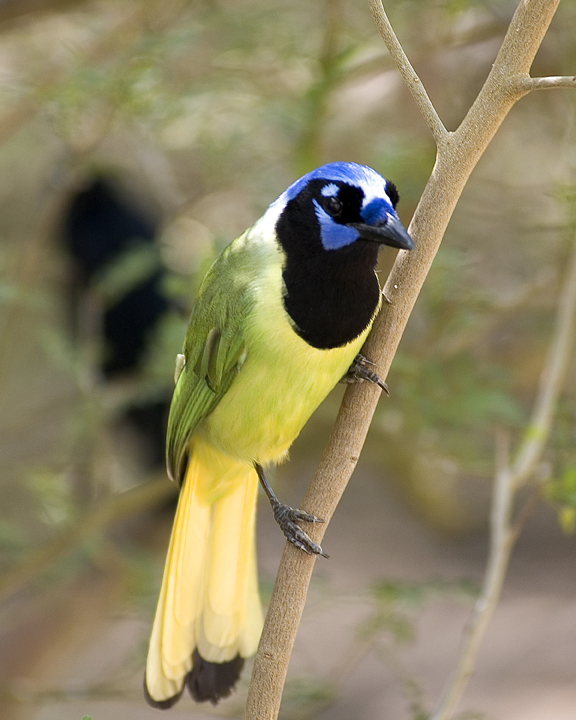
408 159
57 504
442 387
395 604
14 294
305 697
130 80
126 272
560 489
563 493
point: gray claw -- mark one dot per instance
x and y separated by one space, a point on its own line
295 514
359 370
285 516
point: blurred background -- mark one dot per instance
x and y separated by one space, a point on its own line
137 139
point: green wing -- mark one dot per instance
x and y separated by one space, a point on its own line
214 349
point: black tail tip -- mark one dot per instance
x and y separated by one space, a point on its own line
161 704
206 682
210 682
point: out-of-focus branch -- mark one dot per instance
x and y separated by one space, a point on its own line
509 477
111 511
551 383
501 543
458 153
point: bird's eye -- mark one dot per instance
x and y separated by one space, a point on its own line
332 205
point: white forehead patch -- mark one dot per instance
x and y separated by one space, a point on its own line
330 190
374 187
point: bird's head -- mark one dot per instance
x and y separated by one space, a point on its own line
338 205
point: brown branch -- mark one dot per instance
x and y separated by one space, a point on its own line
458 154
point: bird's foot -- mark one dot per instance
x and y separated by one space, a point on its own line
286 517
360 370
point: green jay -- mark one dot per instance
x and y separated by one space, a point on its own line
279 320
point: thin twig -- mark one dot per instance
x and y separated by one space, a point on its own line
551 382
499 555
439 132
527 84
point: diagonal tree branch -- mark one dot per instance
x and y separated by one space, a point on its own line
458 154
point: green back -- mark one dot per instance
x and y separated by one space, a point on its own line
214 347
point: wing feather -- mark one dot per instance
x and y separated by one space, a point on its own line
214 350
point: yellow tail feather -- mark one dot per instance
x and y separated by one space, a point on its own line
209 597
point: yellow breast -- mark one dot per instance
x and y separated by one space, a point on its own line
281 383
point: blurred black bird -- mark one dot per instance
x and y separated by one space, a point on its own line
98 228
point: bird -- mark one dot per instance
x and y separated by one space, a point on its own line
278 321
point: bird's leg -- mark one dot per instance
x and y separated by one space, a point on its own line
286 516
360 370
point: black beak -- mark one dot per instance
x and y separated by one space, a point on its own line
392 233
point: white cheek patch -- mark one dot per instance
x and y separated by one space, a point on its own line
330 190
